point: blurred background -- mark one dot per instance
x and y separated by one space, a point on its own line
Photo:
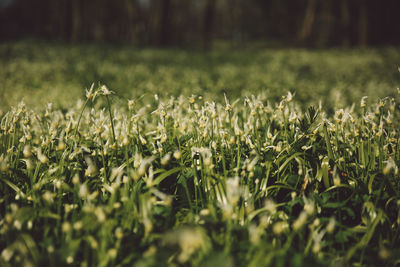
204 23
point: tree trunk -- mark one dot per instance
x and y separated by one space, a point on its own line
75 20
164 34
208 24
130 9
308 21
363 25
325 23
345 22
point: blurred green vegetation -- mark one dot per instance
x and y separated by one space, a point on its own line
39 72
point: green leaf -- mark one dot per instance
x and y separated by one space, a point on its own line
164 175
367 236
11 185
49 214
290 159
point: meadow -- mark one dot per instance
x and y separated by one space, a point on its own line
40 73
123 156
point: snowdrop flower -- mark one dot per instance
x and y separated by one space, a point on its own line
280 227
270 206
289 97
363 101
131 104
177 154
91 169
331 226
317 238
300 221
90 94
3 163
42 157
309 207
105 91
390 165
190 240
165 159
233 190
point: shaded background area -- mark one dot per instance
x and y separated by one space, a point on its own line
199 23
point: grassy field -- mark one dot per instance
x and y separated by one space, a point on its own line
152 165
40 73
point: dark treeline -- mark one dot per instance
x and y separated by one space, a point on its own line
199 22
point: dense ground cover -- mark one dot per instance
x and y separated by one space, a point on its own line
190 177
58 73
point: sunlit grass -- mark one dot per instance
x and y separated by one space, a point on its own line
243 181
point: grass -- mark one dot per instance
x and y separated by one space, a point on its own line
189 179
40 73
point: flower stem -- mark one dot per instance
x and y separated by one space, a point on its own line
111 118
80 117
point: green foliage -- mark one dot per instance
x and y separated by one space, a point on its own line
188 181
40 73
